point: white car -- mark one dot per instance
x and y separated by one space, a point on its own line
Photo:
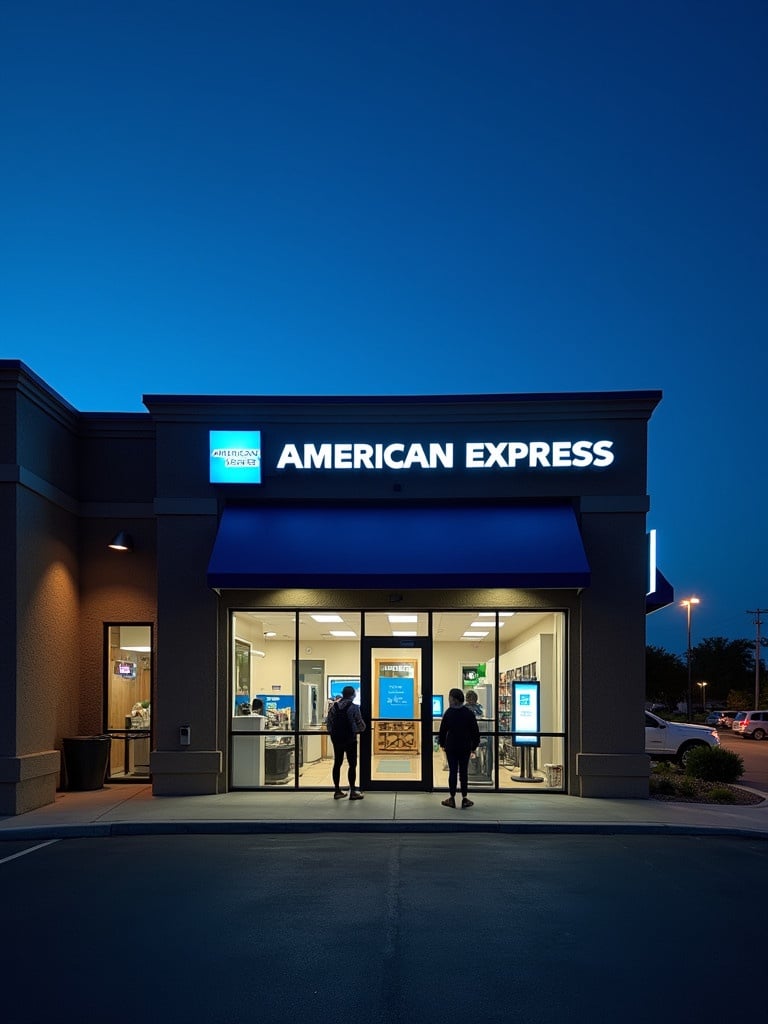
666 741
751 723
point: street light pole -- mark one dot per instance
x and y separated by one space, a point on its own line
688 605
758 622
703 695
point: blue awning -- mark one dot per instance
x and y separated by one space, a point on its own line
662 596
356 548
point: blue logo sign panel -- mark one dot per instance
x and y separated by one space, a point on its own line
235 456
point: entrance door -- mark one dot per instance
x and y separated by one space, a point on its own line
396 703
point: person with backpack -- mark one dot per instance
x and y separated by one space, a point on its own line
343 723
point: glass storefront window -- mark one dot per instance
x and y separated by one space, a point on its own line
541 768
531 701
264 699
329 660
128 703
286 668
464 648
288 665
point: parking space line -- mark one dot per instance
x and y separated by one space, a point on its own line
30 850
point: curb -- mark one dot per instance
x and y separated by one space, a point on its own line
201 828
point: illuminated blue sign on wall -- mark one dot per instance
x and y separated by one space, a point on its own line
235 456
396 697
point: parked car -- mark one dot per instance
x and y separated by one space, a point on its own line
753 724
722 718
673 741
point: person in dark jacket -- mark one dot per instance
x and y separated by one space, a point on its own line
459 736
343 723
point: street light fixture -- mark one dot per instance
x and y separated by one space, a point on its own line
688 605
703 695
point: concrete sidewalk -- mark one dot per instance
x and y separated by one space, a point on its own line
133 810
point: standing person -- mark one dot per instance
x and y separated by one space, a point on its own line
473 704
343 723
459 736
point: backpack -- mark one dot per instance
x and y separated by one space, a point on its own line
339 722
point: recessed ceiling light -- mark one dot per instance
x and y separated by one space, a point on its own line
483 625
403 632
327 618
270 635
473 636
342 632
403 618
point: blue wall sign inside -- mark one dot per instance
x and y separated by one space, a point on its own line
396 697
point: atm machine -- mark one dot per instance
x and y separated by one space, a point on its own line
311 708
310 717
481 767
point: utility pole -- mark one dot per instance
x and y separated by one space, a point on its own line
758 622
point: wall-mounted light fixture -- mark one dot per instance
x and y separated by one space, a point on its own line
122 541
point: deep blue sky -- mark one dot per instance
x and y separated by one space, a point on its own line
377 197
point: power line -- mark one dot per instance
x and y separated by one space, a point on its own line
758 622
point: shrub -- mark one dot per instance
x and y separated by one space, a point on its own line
714 764
687 787
721 795
663 785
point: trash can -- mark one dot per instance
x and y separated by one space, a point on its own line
85 761
278 762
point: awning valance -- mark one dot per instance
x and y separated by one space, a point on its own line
363 547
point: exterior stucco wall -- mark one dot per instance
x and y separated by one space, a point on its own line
67 484
116 587
39 689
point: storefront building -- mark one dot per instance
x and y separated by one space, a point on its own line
277 549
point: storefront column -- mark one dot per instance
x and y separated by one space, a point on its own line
187 666
611 759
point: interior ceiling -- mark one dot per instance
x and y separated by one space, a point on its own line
448 626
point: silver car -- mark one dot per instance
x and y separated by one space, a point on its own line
751 723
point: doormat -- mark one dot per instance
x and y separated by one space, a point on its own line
386 765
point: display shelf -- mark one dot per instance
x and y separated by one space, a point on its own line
397 737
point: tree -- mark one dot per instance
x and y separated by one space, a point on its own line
665 675
725 665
